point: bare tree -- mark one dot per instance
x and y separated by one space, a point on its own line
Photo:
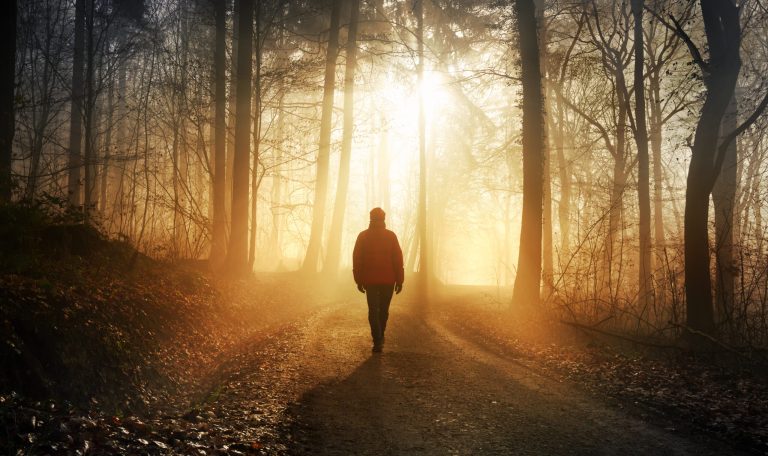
528 279
237 253
609 33
321 183
724 202
7 91
421 218
76 111
331 264
720 72
643 161
219 232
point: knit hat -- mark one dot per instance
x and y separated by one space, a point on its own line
377 213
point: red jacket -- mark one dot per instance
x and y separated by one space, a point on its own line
377 258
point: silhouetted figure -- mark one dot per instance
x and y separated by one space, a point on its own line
377 265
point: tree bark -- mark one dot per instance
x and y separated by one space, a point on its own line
7 91
237 253
219 229
179 144
659 237
384 164
564 175
528 279
723 31
256 132
547 249
421 220
563 167
724 200
75 162
232 118
619 180
105 168
324 150
89 114
331 265
121 140
548 269
275 252
618 185
643 173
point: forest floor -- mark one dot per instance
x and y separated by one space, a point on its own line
279 364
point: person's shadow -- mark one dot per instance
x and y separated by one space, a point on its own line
332 413
363 414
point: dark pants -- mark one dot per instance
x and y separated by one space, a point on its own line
378 297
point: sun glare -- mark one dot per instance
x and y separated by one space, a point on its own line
471 258
435 91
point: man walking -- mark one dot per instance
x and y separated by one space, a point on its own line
377 265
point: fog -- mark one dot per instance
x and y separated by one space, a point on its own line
146 136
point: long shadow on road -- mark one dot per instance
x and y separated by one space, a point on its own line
431 394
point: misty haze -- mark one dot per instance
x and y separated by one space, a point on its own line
383 227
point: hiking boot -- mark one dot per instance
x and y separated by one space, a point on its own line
376 348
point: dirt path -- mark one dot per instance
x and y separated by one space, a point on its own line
307 383
431 392
312 386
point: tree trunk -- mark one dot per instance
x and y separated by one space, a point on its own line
436 199
121 146
564 175
421 221
413 249
331 265
89 108
230 152
618 185
721 21
7 89
619 182
724 199
179 145
548 270
275 252
384 165
76 111
563 167
750 194
219 229
528 279
643 173
256 132
237 254
506 253
105 169
324 151
659 238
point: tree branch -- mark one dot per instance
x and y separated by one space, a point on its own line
617 335
715 341
678 29
567 57
593 122
723 147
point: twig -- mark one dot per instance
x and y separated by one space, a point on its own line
678 30
715 341
618 336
